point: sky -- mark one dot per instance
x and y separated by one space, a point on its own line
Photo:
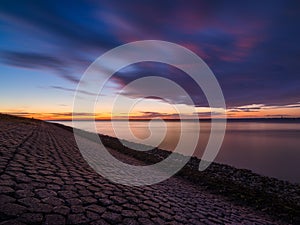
252 47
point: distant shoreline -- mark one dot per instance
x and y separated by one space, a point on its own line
277 120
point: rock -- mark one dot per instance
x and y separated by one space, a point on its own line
54 219
112 217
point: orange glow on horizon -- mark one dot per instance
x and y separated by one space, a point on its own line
262 113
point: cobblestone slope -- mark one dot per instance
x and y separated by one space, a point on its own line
45 180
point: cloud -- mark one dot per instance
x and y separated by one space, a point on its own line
252 47
247 108
259 107
74 90
53 116
37 61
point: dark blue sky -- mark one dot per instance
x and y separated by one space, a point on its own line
251 46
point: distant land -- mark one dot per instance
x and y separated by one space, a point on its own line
278 120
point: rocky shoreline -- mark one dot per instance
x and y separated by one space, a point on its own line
278 198
45 180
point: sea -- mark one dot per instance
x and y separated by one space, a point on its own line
266 146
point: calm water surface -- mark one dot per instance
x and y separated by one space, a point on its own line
267 148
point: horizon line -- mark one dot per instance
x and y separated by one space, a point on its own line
203 119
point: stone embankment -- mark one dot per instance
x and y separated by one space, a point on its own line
45 180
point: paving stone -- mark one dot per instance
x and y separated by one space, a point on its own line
85 193
31 218
99 222
115 208
12 222
112 217
53 187
105 202
6 189
77 219
131 206
128 213
158 220
95 208
68 194
24 193
118 200
197 222
74 201
44 193
88 200
53 201
7 182
93 216
165 216
12 209
151 203
24 179
130 221
145 221
54 219
180 219
142 214
6 199
29 201
77 209
40 207
100 195
63 210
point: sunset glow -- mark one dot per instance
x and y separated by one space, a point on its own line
252 49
